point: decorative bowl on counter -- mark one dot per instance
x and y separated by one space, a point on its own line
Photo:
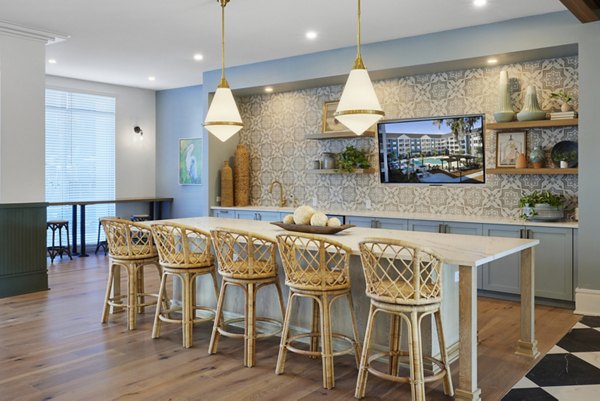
543 212
307 228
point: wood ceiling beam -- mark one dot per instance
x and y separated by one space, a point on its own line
584 10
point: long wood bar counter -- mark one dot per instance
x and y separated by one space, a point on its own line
466 252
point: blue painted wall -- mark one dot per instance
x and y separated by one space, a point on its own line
179 114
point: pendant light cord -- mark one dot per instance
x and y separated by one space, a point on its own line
223 83
358 62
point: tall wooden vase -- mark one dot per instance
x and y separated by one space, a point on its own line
226 185
241 175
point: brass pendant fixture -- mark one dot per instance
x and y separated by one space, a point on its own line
359 107
223 119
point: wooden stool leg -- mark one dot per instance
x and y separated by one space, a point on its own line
161 295
132 289
250 329
394 360
213 275
140 288
214 337
109 285
280 367
116 287
186 309
314 340
281 305
354 330
327 343
68 242
448 388
417 357
52 250
361 382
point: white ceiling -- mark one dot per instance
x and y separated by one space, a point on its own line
126 41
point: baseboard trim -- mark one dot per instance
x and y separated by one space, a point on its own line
587 302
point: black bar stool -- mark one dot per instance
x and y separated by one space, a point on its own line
102 244
58 250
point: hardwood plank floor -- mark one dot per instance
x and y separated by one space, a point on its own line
53 346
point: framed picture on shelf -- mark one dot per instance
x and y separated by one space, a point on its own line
190 161
508 147
330 124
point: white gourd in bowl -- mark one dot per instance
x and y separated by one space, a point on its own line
288 219
334 222
303 214
318 219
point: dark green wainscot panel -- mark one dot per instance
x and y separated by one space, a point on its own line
22 248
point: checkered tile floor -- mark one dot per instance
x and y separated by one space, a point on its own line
570 371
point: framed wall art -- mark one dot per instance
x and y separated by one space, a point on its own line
508 147
190 161
330 124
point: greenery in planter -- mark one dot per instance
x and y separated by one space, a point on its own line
562 96
539 197
566 156
352 158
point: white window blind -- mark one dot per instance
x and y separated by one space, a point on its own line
80 155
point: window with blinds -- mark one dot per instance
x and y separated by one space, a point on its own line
80 155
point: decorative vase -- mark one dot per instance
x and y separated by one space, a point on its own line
564 164
505 111
226 185
565 107
531 108
328 162
521 160
241 175
537 156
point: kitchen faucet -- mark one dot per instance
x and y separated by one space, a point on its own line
281 198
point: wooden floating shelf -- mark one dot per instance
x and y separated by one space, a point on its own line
370 170
340 135
509 170
513 125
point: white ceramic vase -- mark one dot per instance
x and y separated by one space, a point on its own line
531 108
504 111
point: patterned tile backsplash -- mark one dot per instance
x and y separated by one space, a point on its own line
276 125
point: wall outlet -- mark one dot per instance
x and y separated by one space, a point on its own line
314 201
367 203
456 277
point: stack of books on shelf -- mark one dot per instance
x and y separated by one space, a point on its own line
563 115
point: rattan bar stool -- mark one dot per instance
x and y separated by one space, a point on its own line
403 280
245 260
58 250
130 246
184 252
318 269
102 244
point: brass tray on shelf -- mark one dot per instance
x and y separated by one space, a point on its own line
307 228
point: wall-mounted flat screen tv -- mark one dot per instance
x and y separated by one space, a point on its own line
433 150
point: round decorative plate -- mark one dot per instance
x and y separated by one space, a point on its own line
307 228
565 148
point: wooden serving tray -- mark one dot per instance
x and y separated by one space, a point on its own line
307 228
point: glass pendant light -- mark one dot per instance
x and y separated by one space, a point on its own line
359 107
223 119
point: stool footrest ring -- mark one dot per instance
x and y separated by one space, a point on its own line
278 326
296 337
404 379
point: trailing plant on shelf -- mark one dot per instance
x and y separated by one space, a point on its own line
538 200
564 98
351 158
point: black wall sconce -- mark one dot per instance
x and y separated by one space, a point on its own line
139 131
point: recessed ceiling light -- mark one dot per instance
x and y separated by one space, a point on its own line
479 3
268 89
492 60
52 61
311 35
198 57
151 78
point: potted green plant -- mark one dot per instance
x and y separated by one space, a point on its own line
566 159
542 205
564 98
351 158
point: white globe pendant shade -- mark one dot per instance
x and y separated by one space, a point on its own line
359 107
223 119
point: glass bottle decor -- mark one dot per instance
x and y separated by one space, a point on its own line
537 156
504 112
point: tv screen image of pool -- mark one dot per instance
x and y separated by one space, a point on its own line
432 150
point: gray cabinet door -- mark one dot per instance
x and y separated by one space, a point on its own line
360 221
424 225
463 228
553 262
502 275
245 215
268 216
392 224
228 214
